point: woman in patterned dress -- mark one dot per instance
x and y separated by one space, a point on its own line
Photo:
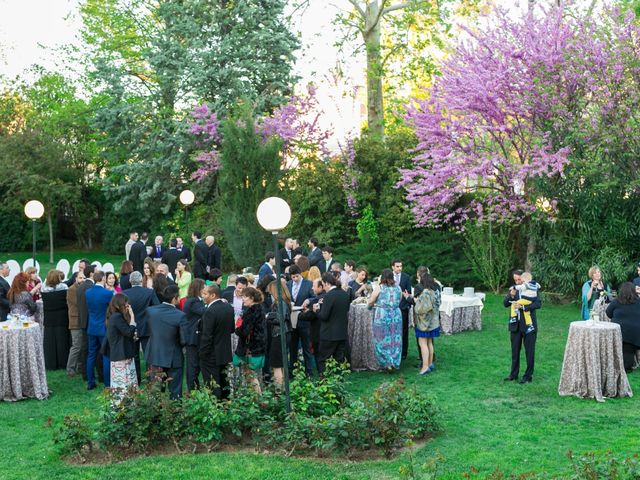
387 322
121 329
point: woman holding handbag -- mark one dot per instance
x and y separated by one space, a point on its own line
275 350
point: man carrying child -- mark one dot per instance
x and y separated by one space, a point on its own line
522 300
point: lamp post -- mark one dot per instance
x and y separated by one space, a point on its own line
187 197
274 215
34 210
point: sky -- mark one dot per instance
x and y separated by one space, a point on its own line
30 29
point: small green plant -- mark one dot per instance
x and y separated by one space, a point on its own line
74 436
367 228
590 466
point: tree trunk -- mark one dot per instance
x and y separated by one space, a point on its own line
530 5
531 249
50 222
375 111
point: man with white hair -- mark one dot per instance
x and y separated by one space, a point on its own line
4 289
214 253
158 249
163 268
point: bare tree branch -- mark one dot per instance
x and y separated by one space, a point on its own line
358 7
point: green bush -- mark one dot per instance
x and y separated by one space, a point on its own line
323 420
442 252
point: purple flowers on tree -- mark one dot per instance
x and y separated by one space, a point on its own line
510 102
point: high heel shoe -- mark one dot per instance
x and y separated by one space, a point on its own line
424 372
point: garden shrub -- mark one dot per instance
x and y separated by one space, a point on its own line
324 419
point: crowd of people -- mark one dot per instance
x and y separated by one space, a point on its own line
168 306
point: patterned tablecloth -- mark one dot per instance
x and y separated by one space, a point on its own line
361 338
593 366
461 319
449 303
22 373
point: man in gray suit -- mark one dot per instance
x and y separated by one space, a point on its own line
168 327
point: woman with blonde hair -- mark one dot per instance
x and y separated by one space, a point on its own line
56 321
593 289
275 350
34 284
314 274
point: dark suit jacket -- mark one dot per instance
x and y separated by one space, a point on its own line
4 301
168 327
140 299
83 313
315 257
227 294
285 261
120 338
201 258
214 256
264 271
154 252
323 265
137 254
171 257
405 284
215 338
98 299
305 291
185 252
334 315
194 309
520 325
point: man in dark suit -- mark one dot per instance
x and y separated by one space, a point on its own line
163 269
200 255
180 246
4 289
297 248
168 327
215 341
315 254
158 249
214 256
138 253
194 309
82 264
300 290
268 267
140 299
83 320
308 315
403 281
227 293
518 329
172 255
327 260
98 299
286 255
333 313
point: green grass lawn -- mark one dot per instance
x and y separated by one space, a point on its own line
486 423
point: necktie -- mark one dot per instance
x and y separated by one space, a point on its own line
158 251
295 289
397 280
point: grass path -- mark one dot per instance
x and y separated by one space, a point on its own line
487 423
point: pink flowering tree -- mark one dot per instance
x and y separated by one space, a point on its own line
295 124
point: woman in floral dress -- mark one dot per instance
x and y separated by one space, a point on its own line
387 322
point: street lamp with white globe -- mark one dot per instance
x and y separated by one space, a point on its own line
187 197
274 215
34 210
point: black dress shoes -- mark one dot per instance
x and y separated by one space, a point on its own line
510 379
525 380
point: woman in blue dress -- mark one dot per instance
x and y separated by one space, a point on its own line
387 322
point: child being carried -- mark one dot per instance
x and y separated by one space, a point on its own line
528 290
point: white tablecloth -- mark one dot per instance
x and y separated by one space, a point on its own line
449 302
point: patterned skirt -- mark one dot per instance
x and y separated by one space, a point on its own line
123 376
387 336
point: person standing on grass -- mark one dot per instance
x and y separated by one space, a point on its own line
518 329
74 364
98 299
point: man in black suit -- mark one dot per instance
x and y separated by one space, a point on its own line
315 254
168 327
333 312
300 290
180 246
4 289
214 254
200 255
307 314
82 264
140 299
518 329
83 320
403 281
286 255
138 253
163 269
194 309
327 260
172 255
297 248
158 249
215 341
